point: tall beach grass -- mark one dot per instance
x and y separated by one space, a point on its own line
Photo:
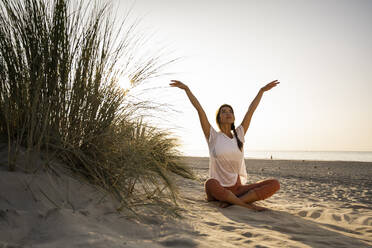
60 64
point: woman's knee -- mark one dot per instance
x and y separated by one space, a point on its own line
268 189
275 184
211 183
214 188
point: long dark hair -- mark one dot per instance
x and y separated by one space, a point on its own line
240 144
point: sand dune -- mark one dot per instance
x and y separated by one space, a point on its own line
314 208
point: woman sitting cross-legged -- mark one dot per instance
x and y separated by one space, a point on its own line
227 171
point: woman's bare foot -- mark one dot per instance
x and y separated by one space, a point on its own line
257 208
252 206
225 204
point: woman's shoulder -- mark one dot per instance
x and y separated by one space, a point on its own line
240 132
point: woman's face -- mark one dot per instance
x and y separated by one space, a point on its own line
226 115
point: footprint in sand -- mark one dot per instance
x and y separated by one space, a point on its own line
336 217
178 242
316 214
228 228
247 234
211 223
302 213
238 238
346 217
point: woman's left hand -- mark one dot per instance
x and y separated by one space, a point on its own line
269 86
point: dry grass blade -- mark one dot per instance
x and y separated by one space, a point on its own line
59 92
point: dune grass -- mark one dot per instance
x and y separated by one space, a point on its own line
60 65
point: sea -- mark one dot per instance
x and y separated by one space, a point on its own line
312 155
360 156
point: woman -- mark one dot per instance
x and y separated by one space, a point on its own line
227 171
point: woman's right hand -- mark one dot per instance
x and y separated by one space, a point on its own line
178 84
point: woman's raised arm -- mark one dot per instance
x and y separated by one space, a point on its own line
202 116
248 116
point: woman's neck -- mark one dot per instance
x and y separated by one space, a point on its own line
226 129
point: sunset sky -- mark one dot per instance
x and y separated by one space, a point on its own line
319 50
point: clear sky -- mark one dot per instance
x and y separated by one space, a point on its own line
319 50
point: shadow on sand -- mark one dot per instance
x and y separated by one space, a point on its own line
298 229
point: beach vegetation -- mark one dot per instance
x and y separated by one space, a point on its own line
60 64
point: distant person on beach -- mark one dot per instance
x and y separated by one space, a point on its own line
227 171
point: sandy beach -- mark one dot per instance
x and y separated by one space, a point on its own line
320 204
99 101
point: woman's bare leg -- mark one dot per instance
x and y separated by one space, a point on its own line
233 199
259 191
266 188
214 190
247 198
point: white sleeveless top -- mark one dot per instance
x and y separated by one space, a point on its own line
226 161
